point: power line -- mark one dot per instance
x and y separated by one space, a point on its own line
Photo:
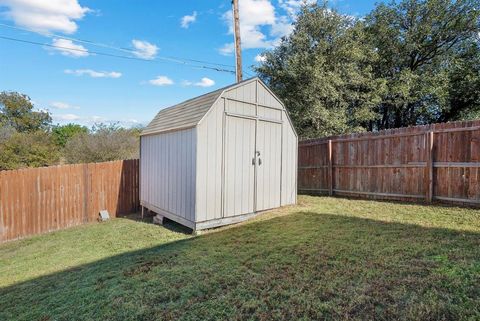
128 50
114 55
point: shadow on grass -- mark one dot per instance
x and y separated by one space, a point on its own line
167 223
302 266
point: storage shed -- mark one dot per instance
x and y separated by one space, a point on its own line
219 158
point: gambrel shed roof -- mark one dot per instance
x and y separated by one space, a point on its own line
188 113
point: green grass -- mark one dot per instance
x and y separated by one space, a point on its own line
327 258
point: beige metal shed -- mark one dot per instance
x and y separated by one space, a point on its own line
219 158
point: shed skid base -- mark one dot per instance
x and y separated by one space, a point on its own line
168 215
158 219
224 221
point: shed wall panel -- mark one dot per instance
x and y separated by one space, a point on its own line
237 107
289 163
209 166
239 170
167 169
265 98
269 144
245 93
269 113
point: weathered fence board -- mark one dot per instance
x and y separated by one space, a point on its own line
38 200
432 162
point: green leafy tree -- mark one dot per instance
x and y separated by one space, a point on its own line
103 143
464 86
25 140
419 43
407 63
6 131
323 73
16 110
63 133
28 149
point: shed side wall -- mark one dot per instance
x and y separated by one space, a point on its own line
289 163
167 172
209 167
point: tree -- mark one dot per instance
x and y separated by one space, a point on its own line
28 149
323 73
6 132
25 140
407 63
104 143
464 86
63 133
419 43
16 110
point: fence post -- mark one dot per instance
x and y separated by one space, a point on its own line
429 168
330 168
85 191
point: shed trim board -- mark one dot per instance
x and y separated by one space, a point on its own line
254 117
225 221
167 131
232 152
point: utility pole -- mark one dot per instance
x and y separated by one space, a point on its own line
236 34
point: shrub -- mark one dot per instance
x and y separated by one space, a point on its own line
27 149
63 133
104 143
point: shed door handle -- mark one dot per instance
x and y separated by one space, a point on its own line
259 161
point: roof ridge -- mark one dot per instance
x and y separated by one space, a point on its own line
210 92
186 108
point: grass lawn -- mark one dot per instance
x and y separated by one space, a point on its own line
327 258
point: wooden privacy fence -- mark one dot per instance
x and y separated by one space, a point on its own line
432 162
38 200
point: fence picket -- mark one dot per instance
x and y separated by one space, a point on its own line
433 162
39 200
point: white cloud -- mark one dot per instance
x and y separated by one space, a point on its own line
92 120
227 49
187 20
93 73
253 15
261 24
204 82
292 6
260 58
144 49
68 48
282 27
161 81
66 117
45 16
62 105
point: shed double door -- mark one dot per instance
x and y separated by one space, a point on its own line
252 165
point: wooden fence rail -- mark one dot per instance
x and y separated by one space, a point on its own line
38 200
432 162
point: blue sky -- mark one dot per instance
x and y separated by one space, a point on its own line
83 87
